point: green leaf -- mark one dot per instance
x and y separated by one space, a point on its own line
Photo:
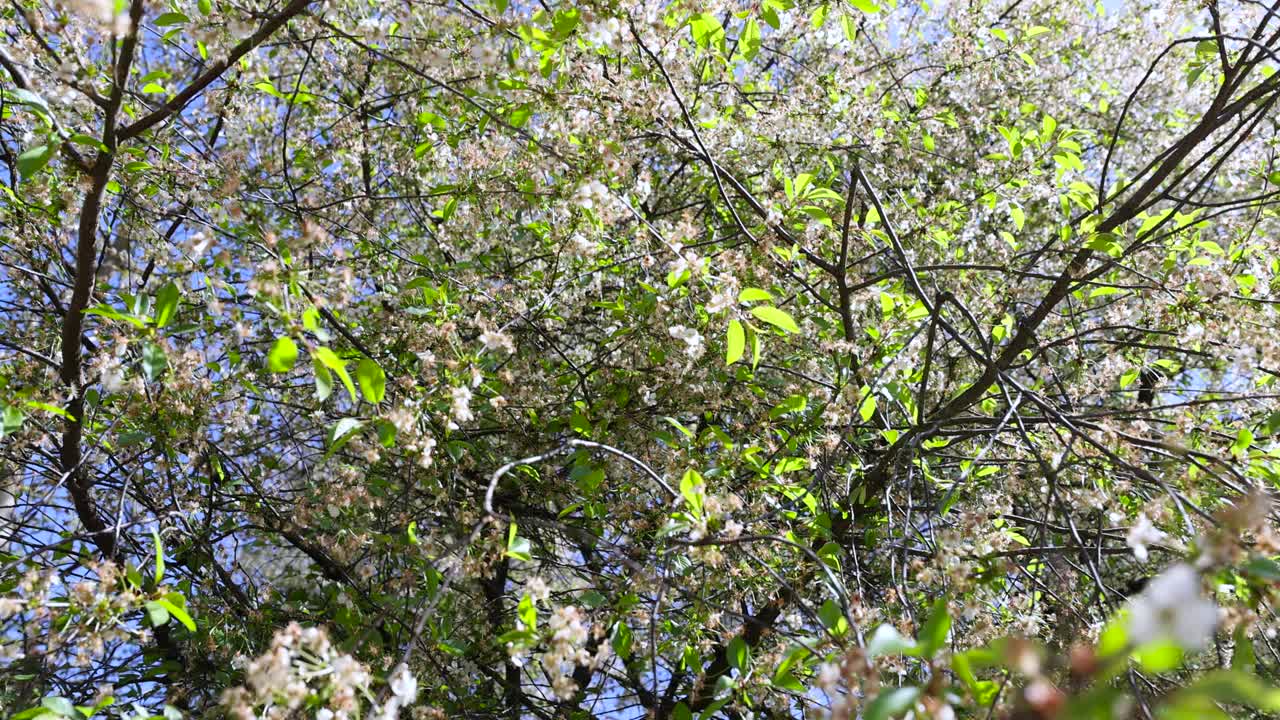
93 142
1229 687
1114 637
792 404
50 408
166 304
153 361
819 17
11 420
677 425
705 29
1158 657
157 614
1244 439
934 633
775 317
171 18
331 361
833 618
1106 243
888 641
754 295
867 407
770 16
206 6
111 313
689 484
1243 658
386 433
59 705
749 39
891 702
283 355
735 343
32 160
527 611
1262 568
342 433
787 681
866 6
324 380
178 613
26 97
159 545
739 654
519 548
373 381
621 640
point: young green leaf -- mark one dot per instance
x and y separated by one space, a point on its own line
177 613
775 317
888 641
32 160
891 702
934 633
93 142
157 614
373 381
324 380
754 295
166 304
11 420
159 546
154 361
283 355
171 18
735 342
335 364
739 654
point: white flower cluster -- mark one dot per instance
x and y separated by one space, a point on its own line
1173 608
590 194
404 691
603 33
461 404
687 261
103 13
495 341
724 297
580 247
693 342
568 636
302 666
1142 534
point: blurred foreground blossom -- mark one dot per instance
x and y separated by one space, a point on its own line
1173 607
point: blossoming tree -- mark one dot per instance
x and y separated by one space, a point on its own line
777 359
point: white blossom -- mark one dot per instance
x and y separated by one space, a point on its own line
1173 607
1142 534
591 194
495 341
461 405
692 340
